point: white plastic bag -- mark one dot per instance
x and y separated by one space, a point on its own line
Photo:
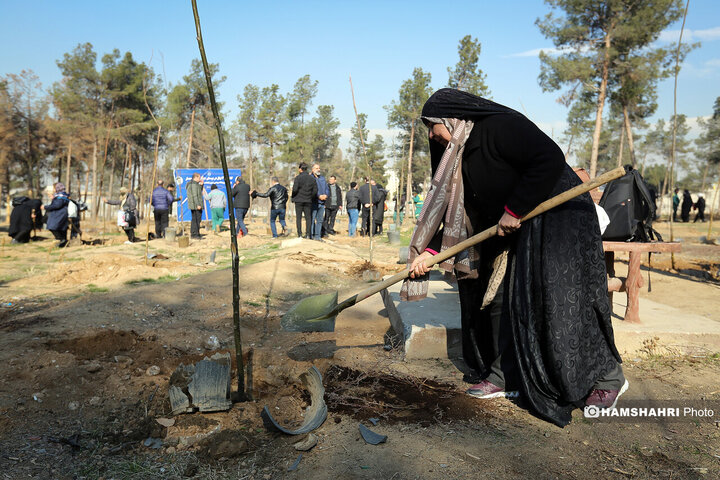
121 219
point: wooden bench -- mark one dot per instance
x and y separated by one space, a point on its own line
634 280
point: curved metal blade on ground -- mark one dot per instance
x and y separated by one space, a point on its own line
371 437
315 414
312 314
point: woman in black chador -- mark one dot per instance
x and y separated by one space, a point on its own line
535 309
687 204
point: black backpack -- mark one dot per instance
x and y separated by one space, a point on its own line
631 208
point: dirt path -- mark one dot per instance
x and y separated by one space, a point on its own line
78 397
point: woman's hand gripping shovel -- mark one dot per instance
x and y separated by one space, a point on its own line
317 313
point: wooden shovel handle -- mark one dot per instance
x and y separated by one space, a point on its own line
492 231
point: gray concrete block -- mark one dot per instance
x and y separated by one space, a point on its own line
429 328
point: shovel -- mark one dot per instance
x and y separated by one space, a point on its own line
317 313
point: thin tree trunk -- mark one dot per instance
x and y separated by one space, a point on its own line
68 163
152 184
111 181
620 150
96 199
600 105
87 185
78 176
628 131
127 165
408 185
94 175
567 152
192 126
250 166
674 133
30 152
398 200
371 223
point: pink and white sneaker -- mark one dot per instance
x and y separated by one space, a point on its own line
486 389
605 398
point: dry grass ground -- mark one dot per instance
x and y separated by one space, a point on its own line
81 327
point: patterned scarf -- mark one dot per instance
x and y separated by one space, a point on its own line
444 203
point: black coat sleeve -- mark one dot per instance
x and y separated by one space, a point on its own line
537 159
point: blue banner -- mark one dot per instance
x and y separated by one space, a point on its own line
211 176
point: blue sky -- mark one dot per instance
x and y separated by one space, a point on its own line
377 42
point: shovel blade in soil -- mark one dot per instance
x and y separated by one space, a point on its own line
312 314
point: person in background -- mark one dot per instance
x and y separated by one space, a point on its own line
700 206
352 203
676 204
218 202
332 205
418 201
686 206
194 191
366 201
74 217
128 207
304 191
401 207
22 220
378 209
535 314
241 204
57 212
162 201
278 203
318 204
171 190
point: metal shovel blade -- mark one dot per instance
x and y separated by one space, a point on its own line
312 314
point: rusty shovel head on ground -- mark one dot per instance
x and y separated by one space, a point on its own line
312 314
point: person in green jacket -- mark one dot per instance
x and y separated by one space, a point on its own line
218 202
418 201
194 191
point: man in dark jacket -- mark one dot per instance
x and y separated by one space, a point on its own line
22 220
278 200
161 202
241 204
171 191
378 209
194 190
303 193
352 203
332 205
57 221
366 202
318 205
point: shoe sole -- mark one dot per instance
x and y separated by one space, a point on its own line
494 395
624 389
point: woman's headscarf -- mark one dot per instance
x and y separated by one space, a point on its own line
59 187
445 200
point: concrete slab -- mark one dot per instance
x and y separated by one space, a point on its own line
429 328
663 330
